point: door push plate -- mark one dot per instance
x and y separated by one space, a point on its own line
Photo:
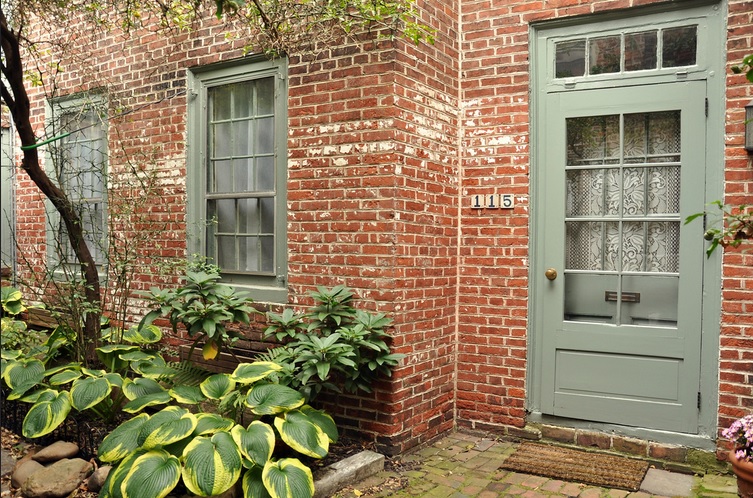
627 297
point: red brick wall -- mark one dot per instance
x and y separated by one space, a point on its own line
736 341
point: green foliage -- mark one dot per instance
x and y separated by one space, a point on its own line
735 223
14 334
212 452
54 391
746 67
333 341
205 307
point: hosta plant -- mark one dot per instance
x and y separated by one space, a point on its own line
210 453
123 385
331 343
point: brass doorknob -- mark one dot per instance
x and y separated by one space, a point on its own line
551 273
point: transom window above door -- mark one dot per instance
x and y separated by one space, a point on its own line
660 48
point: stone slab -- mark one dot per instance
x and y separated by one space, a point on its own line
661 482
348 471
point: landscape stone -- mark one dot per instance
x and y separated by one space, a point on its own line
98 477
23 470
56 451
58 480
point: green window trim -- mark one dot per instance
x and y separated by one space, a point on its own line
237 173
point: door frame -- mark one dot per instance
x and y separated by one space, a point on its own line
710 68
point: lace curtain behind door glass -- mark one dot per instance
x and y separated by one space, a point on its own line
623 199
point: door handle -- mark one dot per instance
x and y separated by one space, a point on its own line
550 273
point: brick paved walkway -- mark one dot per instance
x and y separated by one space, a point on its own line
465 466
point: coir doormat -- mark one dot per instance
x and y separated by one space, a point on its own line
597 469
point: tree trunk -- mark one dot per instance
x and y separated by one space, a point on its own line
17 100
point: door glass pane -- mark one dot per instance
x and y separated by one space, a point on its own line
622 223
679 46
640 51
570 59
604 55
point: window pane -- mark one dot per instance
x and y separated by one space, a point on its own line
248 216
640 51
679 46
243 143
267 205
265 96
226 255
265 173
593 192
593 140
267 254
265 136
604 55
219 102
242 100
244 175
222 134
570 59
220 176
248 249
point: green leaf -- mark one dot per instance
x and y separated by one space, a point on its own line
64 377
154 399
122 440
187 395
269 399
217 386
112 485
146 334
47 414
89 391
288 478
152 475
211 465
248 373
141 386
253 484
109 355
23 372
256 443
302 434
322 420
209 423
167 426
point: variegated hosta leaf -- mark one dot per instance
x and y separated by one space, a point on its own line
48 412
211 465
59 368
112 485
152 475
167 426
122 441
216 386
88 392
323 420
253 484
115 379
109 355
24 372
64 377
302 434
209 423
288 478
187 395
141 386
248 373
148 334
136 356
154 399
152 367
256 443
268 399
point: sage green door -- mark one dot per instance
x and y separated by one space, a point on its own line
620 273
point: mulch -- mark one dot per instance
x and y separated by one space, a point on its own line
598 469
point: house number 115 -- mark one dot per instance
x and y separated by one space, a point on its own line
493 201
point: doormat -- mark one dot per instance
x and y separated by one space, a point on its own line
606 471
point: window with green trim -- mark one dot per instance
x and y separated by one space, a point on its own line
237 174
79 166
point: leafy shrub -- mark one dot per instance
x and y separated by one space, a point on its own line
205 307
331 339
